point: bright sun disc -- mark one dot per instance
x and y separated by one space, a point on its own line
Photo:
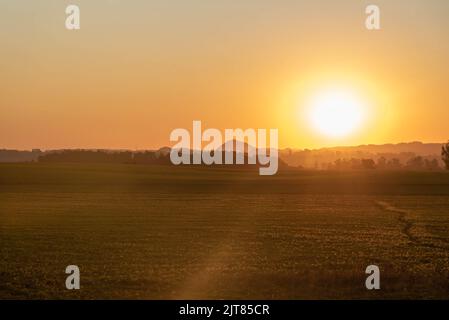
335 113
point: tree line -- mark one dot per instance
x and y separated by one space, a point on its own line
162 157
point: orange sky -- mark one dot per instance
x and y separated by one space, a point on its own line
139 69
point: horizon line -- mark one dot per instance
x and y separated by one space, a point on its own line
162 147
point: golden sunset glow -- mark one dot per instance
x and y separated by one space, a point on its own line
198 153
133 73
336 113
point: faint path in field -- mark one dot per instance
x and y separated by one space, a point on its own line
404 218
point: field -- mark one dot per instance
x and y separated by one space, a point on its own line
154 232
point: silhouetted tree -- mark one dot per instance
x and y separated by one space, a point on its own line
394 164
431 165
415 163
445 154
356 163
368 164
381 163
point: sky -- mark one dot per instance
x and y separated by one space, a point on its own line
136 70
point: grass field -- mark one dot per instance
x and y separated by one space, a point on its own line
153 232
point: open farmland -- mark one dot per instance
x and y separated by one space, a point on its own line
162 232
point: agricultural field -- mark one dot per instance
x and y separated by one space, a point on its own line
164 232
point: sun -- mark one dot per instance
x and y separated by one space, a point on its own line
336 113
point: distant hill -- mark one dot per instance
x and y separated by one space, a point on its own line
416 147
316 158
232 145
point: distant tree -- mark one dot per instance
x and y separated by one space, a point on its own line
368 164
381 163
338 164
394 164
415 163
431 165
355 163
445 154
